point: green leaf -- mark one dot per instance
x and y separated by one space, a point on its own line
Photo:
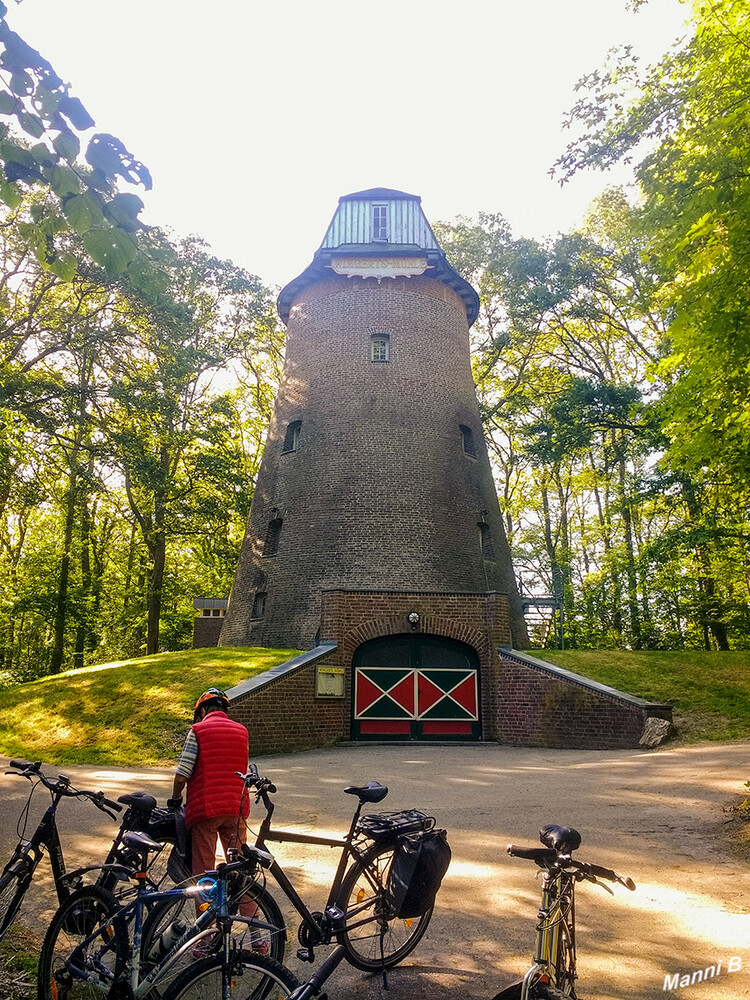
65 181
43 155
46 101
21 83
75 112
112 248
148 279
83 212
31 124
10 194
67 145
64 265
123 211
9 103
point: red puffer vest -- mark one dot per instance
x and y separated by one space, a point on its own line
214 789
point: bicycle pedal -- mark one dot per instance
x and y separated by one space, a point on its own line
334 913
305 955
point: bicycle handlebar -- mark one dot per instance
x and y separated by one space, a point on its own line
548 858
62 786
253 780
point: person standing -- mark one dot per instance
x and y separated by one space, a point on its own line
216 748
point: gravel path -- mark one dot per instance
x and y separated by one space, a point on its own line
655 816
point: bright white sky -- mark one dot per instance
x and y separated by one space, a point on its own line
254 118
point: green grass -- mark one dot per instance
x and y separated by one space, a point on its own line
129 712
709 692
19 956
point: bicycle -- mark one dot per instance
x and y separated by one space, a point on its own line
359 912
552 975
18 873
96 947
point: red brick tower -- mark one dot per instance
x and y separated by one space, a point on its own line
375 475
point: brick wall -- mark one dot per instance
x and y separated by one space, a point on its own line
284 715
379 493
206 631
524 701
539 704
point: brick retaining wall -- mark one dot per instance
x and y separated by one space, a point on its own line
524 701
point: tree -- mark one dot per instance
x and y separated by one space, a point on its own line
167 426
40 148
694 222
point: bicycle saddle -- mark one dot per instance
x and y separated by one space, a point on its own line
373 791
562 839
138 800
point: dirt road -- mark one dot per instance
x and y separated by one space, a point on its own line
655 816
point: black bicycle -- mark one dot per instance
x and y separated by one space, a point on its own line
18 873
552 975
360 912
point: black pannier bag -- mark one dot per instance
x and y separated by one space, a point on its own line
419 863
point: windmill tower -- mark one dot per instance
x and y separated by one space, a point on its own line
375 475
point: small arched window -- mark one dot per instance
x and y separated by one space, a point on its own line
291 438
273 532
259 605
467 437
380 347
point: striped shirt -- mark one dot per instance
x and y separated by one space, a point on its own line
189 756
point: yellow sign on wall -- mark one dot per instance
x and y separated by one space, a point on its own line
329 682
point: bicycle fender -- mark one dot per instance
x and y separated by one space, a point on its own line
512 992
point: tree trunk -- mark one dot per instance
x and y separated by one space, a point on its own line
61 613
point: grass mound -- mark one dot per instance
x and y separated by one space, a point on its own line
709 692
124 713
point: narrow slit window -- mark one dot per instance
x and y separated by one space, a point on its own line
485 540
273 533
380 348
380 223
291 438
467 437
259 605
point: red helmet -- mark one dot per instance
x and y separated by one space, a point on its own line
213 697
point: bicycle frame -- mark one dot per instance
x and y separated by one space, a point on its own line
349 852
556 925
46 836
217 912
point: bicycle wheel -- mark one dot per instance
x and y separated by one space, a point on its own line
76 947
13 886
252 977
373 936
543 991
257 939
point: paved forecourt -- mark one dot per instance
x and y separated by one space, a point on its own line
655 816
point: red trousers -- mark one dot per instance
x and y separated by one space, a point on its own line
204 836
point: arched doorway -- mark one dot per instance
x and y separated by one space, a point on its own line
416 687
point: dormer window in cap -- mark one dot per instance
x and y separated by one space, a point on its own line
380 223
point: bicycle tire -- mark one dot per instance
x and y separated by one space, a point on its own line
71 941
254 977
543 991
13 886
264 942
384 939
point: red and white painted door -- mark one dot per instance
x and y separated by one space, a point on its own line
416 687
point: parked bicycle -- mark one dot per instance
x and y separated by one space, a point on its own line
96 947
552 975
18 873
360 913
